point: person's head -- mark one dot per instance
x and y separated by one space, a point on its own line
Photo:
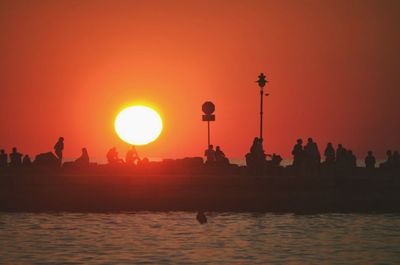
84 150
329 144
340 146
389 152
299 141
2 151
61 139
14 149
210 147
370 153
255 140
26 156
310 140
218 148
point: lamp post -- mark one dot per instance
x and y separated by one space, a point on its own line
261 83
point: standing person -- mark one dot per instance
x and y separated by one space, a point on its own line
210 154
58 149
396 159
329 154
298 157
370 161
3 158
297 153
340 157
389 160
313 157
15 158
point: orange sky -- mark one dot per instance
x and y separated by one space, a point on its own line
67 68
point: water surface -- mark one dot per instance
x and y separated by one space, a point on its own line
176 237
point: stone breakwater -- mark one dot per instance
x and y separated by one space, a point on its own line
192 192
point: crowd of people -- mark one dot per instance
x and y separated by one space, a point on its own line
307 159
17 160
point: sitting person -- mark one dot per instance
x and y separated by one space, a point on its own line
26 162
15 158
276 160
112 156
83 160
210 154
132 156
220 158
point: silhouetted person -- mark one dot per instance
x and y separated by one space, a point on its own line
370 161
260 150
254 146
201 217
396 160
26 161
255 160
15 158
210 155
341 154
84 159
220 158
58 149
298 157
132 156
329 154
389 160
112 156
276 160
144 162
312 157
3 159
312 151
351 160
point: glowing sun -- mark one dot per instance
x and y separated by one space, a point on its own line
138 125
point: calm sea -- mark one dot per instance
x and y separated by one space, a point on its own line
177 238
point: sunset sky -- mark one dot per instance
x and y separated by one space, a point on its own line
68 67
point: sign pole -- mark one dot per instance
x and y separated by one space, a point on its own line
208 123
208 108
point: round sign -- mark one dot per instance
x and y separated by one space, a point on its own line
208 107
